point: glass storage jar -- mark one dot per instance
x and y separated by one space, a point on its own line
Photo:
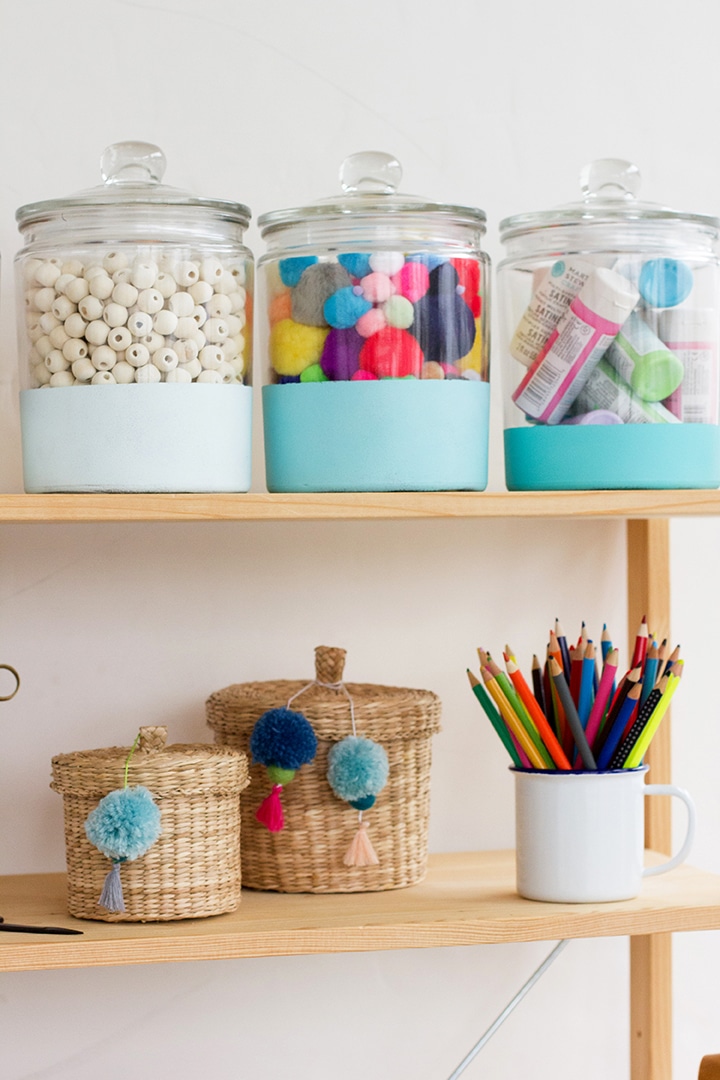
134 312
609 312
374 339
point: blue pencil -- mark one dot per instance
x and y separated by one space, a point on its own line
650 672
585 698
616 731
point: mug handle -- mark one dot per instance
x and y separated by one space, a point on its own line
670 789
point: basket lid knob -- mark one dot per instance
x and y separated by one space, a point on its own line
329 664
152 739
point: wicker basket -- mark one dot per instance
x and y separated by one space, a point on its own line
307 855
193 869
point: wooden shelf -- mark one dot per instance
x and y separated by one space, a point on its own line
466 899
356 505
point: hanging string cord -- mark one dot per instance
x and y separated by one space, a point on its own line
508 1009
332 686
133 748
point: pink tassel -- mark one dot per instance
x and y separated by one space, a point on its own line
270 811
361 852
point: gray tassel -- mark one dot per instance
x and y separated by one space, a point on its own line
111 898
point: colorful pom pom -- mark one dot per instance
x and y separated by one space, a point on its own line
377 287
124 824
293 346
344 308
412 281
313 289
386 262
392 353
283 737
291 270
357 768
356 264
341 353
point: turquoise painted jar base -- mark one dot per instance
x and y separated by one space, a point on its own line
387 435
618 457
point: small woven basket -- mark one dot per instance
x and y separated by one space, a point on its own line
194 868
307 855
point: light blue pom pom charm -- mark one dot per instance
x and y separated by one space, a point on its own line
123 826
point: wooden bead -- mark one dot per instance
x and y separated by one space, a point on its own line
181 304
165 284
83 369
137 354
75 325
119 338
201 291
123 372
239 273
215 330
73 267
165 322
35 331
140 323
193 368
178 375
211 356
40 375
185 326
55 361
104 358
74 349
209 376
148 374
97 332
186 350
199 315
101 285
43 346
150 300
47 273
58 336
227 372
121 276
103 378
92 271
115 260
62 282
48 322
91 308
62 378
153 341
124 294
144 273
115 314
219 305
62 308
29 268
165 359
76 289
226 284
211 269
187 273
237 301
43 299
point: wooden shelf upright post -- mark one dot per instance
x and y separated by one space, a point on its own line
648 562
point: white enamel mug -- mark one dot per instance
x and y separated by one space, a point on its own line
580 835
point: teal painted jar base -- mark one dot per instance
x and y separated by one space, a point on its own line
387 435
559 458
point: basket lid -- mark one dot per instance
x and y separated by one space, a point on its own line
383 713
178 769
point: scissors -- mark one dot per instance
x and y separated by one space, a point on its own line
36 929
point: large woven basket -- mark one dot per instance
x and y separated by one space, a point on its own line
307 855
194 868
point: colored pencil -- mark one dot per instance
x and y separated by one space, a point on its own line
641 644
586 684
644 713
520 711
512 720
538 687
649 671
628 681
537 716
638 751
564 651
494 717
599 705
615 734
571 716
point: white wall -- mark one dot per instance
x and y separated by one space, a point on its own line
496 104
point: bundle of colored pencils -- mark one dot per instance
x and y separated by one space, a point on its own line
576 717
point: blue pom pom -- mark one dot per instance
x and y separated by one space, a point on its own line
355 263
357 768
343 309
283 737
291 270
125 824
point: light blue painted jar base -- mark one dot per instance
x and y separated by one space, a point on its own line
386 435
618 457
164 437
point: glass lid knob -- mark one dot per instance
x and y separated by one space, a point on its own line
132 163
371 172
610 178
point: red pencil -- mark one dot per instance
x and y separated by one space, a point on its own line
641 644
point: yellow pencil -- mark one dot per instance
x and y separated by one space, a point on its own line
637 753
512 720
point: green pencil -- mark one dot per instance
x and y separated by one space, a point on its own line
494 717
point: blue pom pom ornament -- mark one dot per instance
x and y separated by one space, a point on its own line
123 826
357 770
282 741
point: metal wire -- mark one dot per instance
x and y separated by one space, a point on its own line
484 1039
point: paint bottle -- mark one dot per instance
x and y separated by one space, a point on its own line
693 338
606 389
576 346
653 371
555 290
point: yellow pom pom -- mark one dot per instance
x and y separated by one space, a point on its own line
473 359
294 346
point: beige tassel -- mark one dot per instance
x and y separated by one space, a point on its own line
361 852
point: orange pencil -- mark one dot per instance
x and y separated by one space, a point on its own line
537 716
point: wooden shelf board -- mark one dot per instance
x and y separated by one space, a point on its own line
466 899
354 505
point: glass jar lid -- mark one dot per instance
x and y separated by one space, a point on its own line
132 175
369 181
609 197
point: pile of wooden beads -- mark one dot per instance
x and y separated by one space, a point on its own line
125 320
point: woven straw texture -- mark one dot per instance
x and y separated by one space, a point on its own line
307 855
194 868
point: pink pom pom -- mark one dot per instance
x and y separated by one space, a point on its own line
377 288
270 811
371 322
364 376
413 281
